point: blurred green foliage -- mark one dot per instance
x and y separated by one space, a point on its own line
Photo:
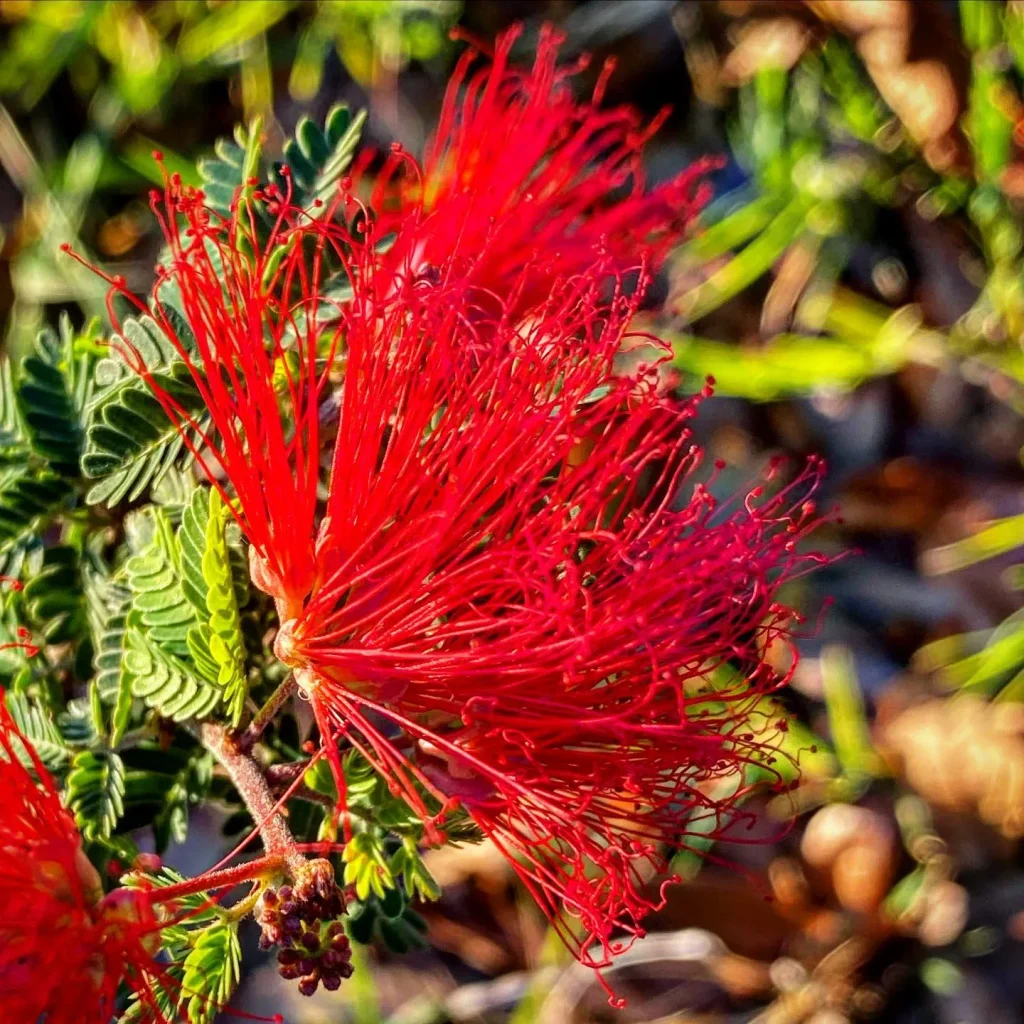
139 52
143 76
827 156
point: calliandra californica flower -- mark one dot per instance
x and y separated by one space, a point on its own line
514 571
514 600
66 949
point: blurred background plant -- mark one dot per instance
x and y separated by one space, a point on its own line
855 288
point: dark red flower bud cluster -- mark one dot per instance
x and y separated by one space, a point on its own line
302 919
318 958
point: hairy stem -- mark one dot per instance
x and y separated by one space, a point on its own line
251 784
262 867
266 714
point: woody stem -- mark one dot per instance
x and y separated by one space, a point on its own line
251 784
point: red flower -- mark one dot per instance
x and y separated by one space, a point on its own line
514 572
67 951
254 340
64 949
513 568
519 170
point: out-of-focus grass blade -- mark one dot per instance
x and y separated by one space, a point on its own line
137 153
744 268
553 954
361 989
789 364
986 670
731 230
844 702
995 539
937 654
228 26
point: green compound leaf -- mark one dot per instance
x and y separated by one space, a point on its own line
53 386
158 595
224 637
192 543
407 864
165 682
39 728
12 430
112 681
77 723
195 518
198 915
95 792
28 500
162 786
130 441
182 638
318 158
234 164
54 598
366 865
212 972
213 580
390 920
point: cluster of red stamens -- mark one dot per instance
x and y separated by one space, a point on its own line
517 564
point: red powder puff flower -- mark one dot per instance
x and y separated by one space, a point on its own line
251 329
514 599
66 950
514 572
520 170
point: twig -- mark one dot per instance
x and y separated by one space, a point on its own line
266 714
224 879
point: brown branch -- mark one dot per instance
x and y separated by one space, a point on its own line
249 780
